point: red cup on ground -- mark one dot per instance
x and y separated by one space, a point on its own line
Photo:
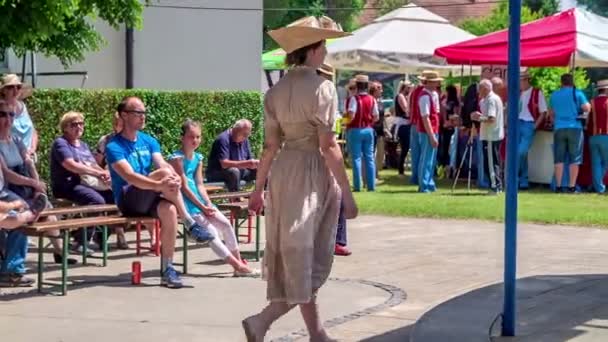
136 273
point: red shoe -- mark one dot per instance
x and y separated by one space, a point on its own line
342 251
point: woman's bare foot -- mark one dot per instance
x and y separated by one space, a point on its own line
254 328
322 337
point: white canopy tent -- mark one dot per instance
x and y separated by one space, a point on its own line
402 41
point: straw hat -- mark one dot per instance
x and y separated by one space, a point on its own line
425 73
524 75
14 80
306 31
603 84
430 76
326 69
362 79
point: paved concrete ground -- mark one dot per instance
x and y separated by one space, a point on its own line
400 269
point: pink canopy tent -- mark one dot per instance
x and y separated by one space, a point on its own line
552 41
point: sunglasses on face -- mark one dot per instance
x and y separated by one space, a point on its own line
77 124
13 87
4 114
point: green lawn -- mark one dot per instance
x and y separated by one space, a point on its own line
396 197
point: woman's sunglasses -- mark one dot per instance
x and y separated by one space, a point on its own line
11 87
77 124
4 114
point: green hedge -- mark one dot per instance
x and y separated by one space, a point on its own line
167 110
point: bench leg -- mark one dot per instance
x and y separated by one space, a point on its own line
40 261
257 237
185 251
64 263
138 238
234 221
104 248
157 237
249 227
85 246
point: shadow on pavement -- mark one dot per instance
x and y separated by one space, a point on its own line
550 308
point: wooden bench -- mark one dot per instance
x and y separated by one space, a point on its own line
237 209
39 229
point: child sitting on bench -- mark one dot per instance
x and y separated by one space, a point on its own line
189 165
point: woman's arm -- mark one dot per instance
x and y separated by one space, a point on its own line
13 177
34 146
200 184
272 145
81 168
402 102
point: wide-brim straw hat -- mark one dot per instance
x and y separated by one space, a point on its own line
306 31
14 80
430 76
603 84
326 69
362 79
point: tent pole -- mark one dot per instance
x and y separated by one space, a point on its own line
510 252
573 63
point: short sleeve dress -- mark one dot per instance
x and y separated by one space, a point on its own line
304 199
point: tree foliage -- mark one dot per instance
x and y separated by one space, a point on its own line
279 13
547 79
387 6
62 28
599 7
544 7
497 20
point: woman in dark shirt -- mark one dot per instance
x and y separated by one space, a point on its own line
402 122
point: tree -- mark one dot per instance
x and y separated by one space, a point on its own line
391 5
548 79
497 20
279 13
544 7
599 7
62 28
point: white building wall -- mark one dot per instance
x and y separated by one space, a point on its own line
177 49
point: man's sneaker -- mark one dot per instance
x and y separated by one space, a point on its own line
573 190
171 279
199 234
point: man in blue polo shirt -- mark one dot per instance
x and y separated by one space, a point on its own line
139 191
230 160
568 107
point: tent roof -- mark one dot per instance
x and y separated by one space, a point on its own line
549 41
392 43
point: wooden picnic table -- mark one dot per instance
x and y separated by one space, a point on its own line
85 209
237 209
213 188
230 195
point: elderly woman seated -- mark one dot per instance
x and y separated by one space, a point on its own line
19 183
75 174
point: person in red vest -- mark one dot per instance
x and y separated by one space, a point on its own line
428 130
362 112
532 117
414 118
597 127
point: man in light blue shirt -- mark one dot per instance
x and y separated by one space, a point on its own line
568 107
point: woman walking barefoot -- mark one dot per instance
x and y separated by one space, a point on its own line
304 181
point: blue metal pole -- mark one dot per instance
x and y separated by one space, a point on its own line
508 322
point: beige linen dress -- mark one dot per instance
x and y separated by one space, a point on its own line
304 200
